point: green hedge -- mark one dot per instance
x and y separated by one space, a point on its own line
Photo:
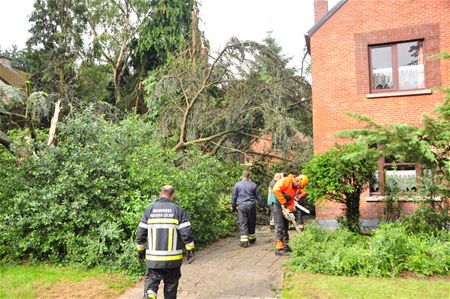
81 201
388 252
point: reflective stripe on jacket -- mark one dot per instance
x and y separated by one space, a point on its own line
164 228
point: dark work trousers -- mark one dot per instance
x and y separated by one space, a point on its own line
281 224
153 277
247 220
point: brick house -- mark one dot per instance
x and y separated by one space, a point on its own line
372 57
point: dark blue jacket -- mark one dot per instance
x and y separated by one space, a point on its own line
164 228
244 192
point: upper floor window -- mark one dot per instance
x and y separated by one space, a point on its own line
396 67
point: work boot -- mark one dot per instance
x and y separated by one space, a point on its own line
281 252
244 244
287 248
252 239
279 248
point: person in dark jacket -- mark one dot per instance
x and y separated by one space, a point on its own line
243 201
164 228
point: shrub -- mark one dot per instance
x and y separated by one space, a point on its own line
390 251
341 175
81 201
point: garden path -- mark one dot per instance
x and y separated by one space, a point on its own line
225 270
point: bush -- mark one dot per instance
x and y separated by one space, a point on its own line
429 218
81 201
390 251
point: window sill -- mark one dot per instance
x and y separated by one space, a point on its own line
398 93
412 198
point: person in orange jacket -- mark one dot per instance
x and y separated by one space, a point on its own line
286 190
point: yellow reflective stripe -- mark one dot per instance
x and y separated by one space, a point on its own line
190 247
140 247
162 220
164 258
170 239
153 238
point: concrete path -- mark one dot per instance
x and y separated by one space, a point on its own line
225 270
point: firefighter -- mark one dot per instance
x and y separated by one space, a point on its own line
286 191
243 201
164 228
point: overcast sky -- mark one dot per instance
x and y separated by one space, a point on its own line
220 20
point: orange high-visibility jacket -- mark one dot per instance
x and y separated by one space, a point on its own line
284 186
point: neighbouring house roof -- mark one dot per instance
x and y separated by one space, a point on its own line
11 76
321 22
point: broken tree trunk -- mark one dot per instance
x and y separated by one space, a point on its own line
54 122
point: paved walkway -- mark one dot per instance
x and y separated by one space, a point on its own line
225 270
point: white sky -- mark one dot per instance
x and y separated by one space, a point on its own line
220 20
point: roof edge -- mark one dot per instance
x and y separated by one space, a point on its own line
322 21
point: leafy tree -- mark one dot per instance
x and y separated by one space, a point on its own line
114 25
222 105
163 33
341 175
55 45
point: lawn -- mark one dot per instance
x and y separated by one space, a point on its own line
44 281
317 286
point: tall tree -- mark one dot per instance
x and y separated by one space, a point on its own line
55 44
114 24
170 28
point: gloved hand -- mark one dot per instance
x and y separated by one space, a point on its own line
141 255
266 209
287 197
302 194
190 256
234 209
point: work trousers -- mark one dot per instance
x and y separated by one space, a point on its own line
153 277
281 224
247 222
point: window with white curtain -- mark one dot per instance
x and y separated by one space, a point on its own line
397 67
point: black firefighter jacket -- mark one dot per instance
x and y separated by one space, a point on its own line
165 228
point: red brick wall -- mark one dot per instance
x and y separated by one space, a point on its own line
340 68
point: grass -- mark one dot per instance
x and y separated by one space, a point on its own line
317 286
31 281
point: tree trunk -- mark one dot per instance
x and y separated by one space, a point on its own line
352 212
117 93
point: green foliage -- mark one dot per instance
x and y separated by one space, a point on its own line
165 32
224 105
390 251
80 202
427 145
429 218
55 45
341 174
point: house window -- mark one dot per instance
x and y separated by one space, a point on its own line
397 67
390 172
